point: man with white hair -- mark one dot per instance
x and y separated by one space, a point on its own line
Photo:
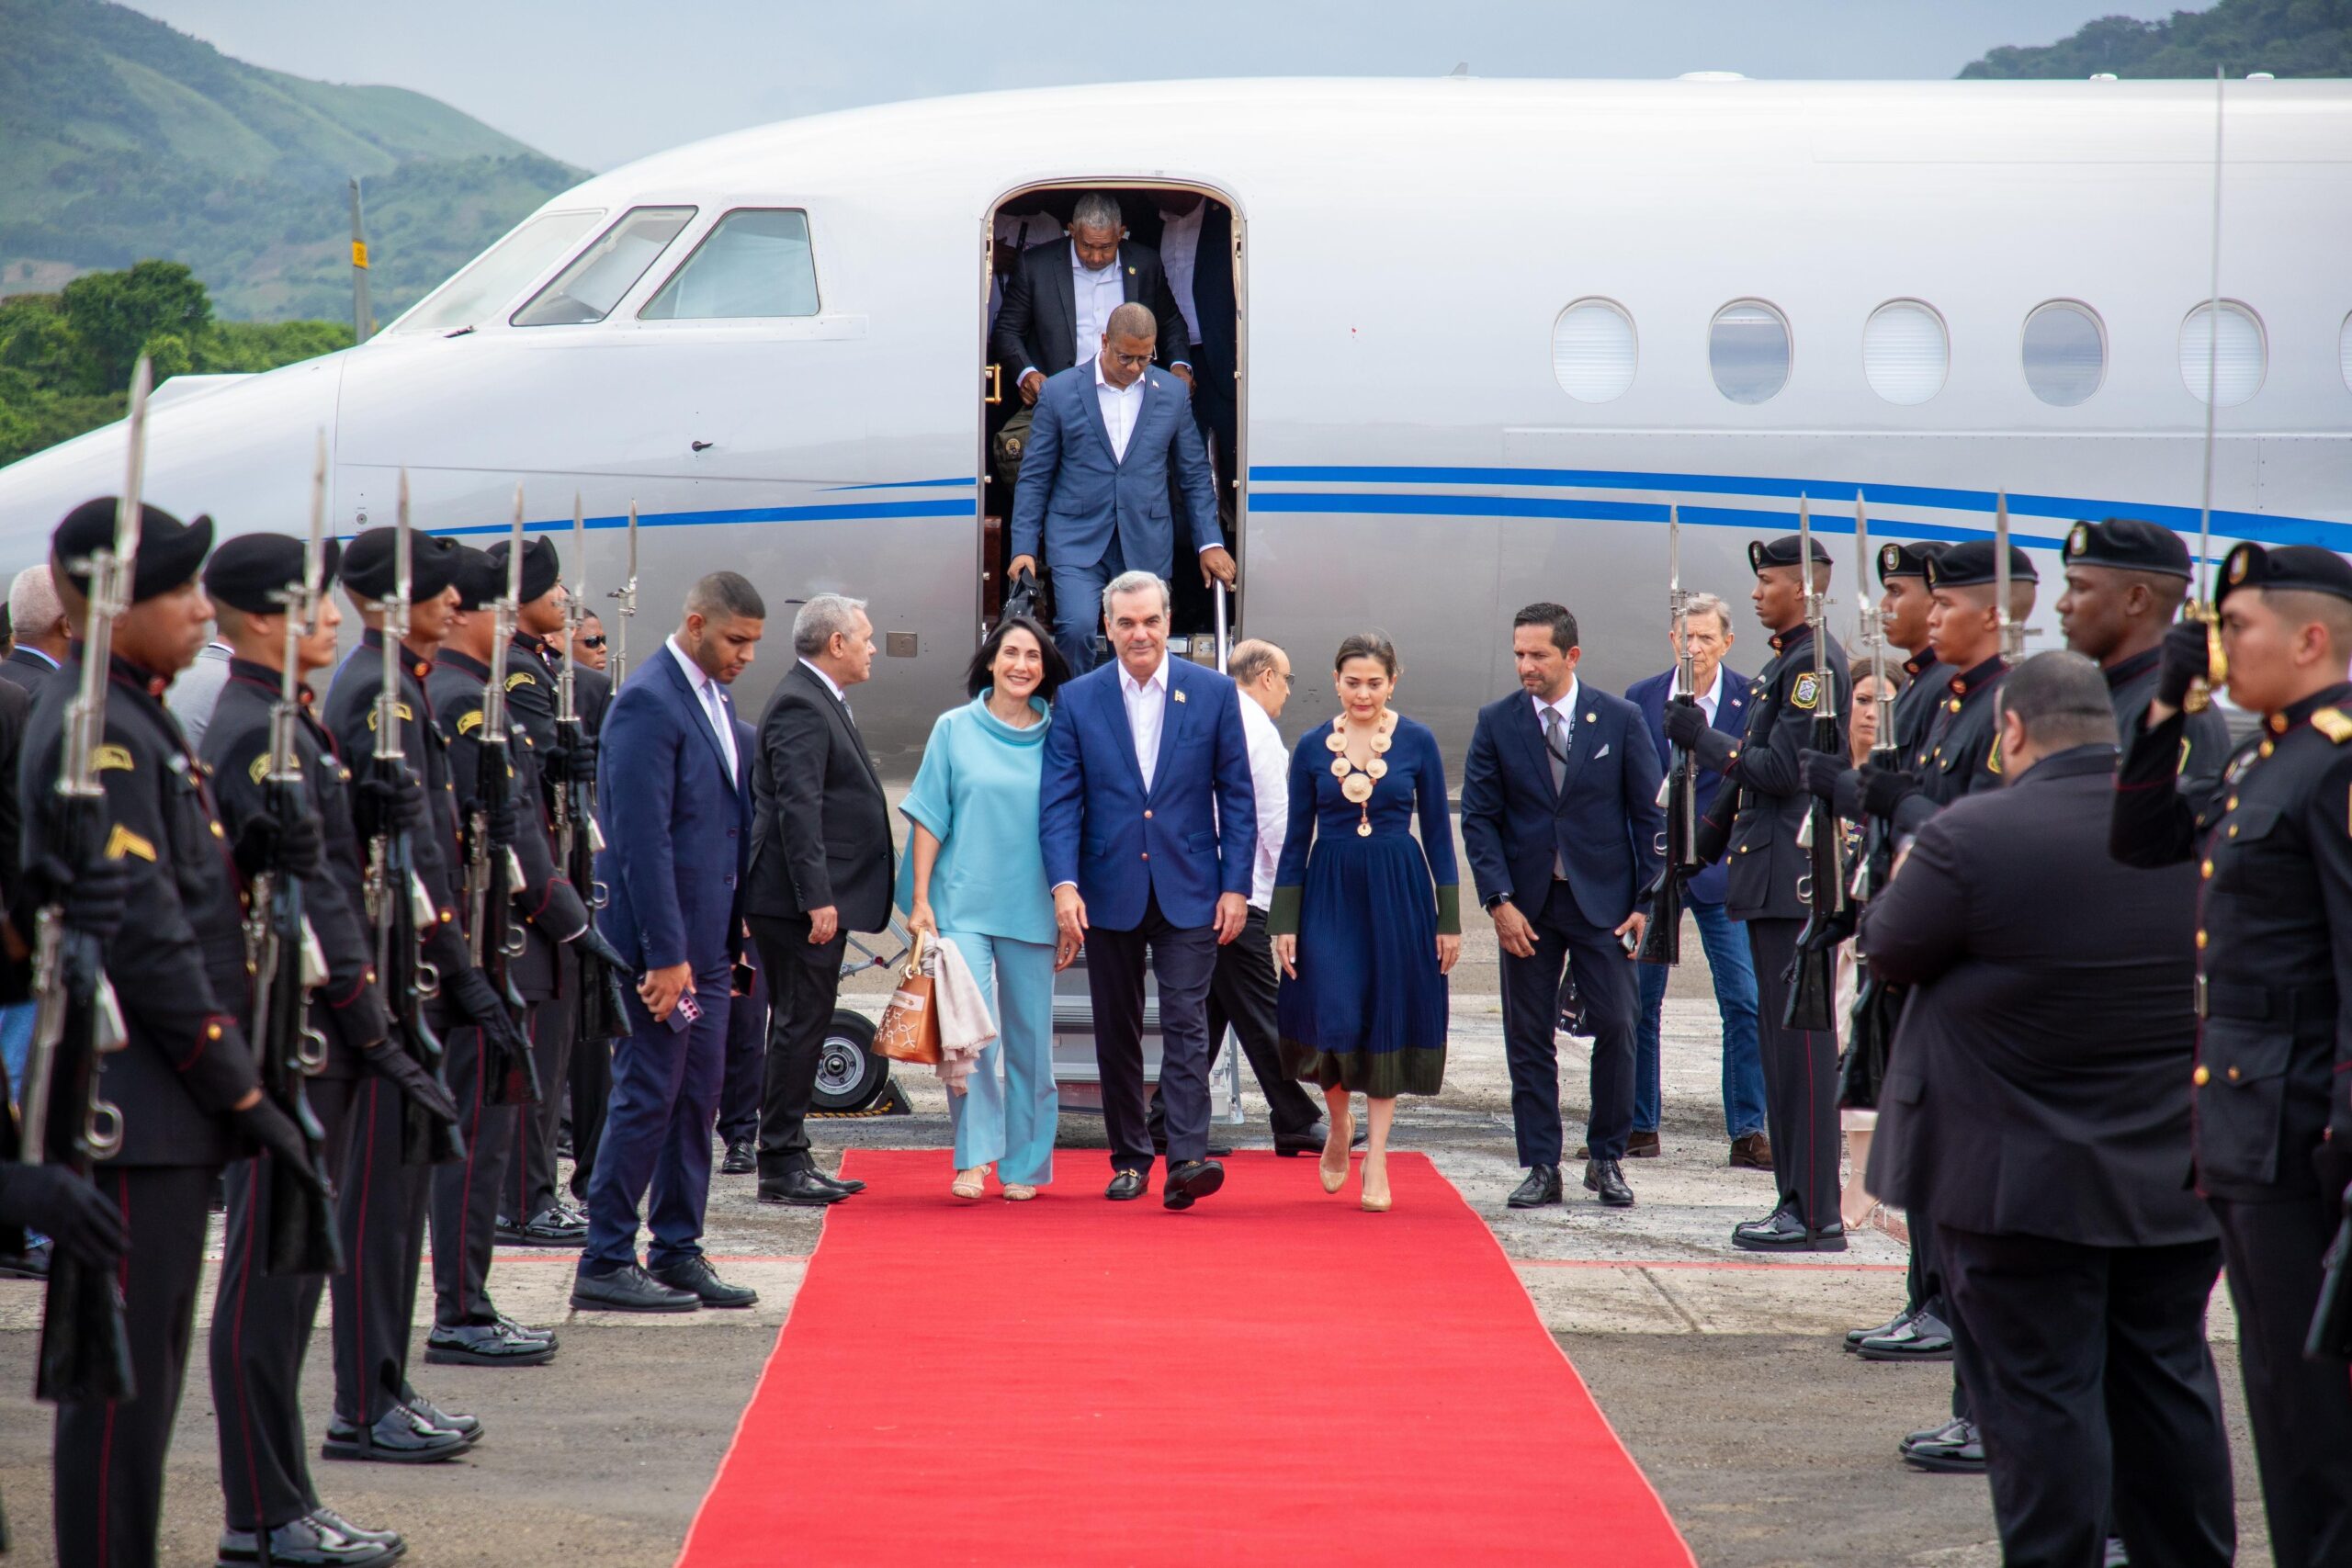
42 631
821 867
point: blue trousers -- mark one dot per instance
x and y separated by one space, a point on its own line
1078 605
16 1051
1735 978
656 1134
1009 1117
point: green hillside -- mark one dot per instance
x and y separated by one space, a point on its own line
123 139
2286 38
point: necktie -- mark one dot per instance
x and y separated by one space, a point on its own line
719 722
1555 743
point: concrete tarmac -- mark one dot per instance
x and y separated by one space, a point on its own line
1721 1371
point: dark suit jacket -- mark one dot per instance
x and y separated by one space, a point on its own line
677 825
1038 326
1214 399
821 828
16 708
1604 822
26 669
1711 884
2039 1081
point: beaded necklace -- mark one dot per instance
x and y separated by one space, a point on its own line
1356 783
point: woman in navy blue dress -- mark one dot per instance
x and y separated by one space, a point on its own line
1367 922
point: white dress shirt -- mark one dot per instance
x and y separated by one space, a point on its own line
1095 295
1270 775
1714 696
713 698
1146 710
1180 250
1122 406
1566 707
830 684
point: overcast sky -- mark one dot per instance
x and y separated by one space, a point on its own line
598 82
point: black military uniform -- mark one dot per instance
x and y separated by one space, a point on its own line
592 1060
179 971
1915 706
491 1083
1756 816
378 1416
2272 1088
261 1322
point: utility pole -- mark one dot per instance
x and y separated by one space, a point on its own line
363 323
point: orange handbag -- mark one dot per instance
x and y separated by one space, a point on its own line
910 1028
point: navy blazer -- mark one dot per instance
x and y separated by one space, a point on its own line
677 825
1123 847
1604 824
1076 495
1731 717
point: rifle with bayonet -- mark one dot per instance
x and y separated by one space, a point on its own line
494 939
300 1230
1812 990
626 597
65 1121
1679 791
579 839
398 904
1877 1005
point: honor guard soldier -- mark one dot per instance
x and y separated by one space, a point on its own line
2272 1087
262 1320
2125 583
1755 817
1903 608
185 1082
378 1414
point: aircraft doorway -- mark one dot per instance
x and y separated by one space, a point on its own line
1183 257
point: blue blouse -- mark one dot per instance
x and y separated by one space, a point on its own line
976 794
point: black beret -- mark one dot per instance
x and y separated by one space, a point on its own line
480 577
2304 569
368 564
542 567
1782 551
2130 544
169 551
253 571
1909 560
1969 564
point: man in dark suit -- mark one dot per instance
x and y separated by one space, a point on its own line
37 621
2033 1107
1560 816
673 786
1722 696
1094 498
821 866
1149 829
1060 299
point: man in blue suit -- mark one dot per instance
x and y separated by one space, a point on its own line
1722 695
674 783
1094 480
1149 827
1560 816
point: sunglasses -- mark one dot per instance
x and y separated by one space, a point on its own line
592 642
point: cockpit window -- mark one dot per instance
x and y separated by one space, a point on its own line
754 262
482 288
589 289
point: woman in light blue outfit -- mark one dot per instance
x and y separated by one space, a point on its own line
974 875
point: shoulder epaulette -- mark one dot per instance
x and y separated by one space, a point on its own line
2333 722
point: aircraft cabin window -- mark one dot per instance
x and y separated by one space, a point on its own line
754 262
2066 353
1593 351
2237 362
588 290
484 285
1747 349
1906 355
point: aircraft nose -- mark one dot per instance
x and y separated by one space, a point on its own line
240 447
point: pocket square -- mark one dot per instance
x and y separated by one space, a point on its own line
1600 754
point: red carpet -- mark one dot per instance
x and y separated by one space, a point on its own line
1274 1377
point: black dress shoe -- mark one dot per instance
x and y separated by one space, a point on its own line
329 1517
484 1345
1190 1179
458 1421
1957 1451
1925 1337
801 1188
1854 1336
401 1436
554 1226
698 1279
1601 1176
1128 1186
524 1331
846 1183
1542 1187
742 1159
630 1289
1290 1145
310 1542
1958 1424
1783 1230
30 1264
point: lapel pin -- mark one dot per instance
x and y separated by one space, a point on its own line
1592 718
1180 696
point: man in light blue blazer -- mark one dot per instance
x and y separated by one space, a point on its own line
674 798
1094 491
1149 827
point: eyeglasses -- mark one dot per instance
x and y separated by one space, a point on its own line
592 642
1133 361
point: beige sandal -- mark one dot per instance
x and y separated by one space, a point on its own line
972 1183
1019 1192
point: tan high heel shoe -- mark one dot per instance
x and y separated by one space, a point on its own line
1376 1203
972 1183
1340 1137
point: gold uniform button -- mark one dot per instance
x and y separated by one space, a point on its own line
2231 803
2202 1076
2233 830
2234 1075
2207 870
2266 748
217 833
1955 705
213 1032
2200 942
